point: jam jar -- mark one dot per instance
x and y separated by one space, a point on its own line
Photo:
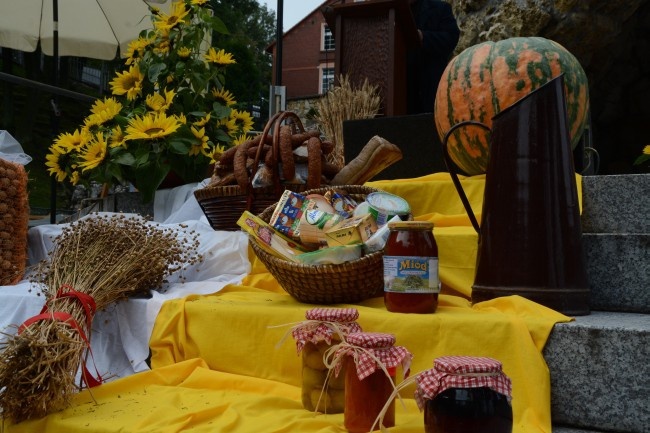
368 386
411 282
463 394
323 328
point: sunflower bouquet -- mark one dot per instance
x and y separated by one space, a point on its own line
169 112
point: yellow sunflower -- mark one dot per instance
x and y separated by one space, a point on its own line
646 150
224 96
220 57
128 82
229 125
151 126
136 49
93 154
199 2
243 120
240 139
53 161
176 17
102 112
91 123
106 107
184 52
202 144
163 47
215 153
67 142
117 138
156 102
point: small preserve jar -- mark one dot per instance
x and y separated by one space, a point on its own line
464 394
323 328
411 282
369 385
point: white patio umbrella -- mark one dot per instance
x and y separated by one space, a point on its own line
80 28
86 28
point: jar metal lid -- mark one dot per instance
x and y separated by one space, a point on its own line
410 225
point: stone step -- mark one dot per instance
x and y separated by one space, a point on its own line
616 204
618 269
560 429
600 374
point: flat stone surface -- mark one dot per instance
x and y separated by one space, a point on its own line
618 270
616 204
572 430
600 374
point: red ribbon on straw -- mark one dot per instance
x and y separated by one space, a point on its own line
89 306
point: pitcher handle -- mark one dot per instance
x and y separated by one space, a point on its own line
451 166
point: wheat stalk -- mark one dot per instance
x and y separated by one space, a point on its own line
104 257
345 102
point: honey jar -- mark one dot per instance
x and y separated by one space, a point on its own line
411 282
464 394
323 327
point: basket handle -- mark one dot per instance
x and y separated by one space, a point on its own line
274 123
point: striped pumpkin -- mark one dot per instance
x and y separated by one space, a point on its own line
486 78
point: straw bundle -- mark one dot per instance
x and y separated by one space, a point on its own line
96 261
345 102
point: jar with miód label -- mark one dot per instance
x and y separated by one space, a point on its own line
323 327
411 282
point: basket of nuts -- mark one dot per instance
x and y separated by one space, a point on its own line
14 221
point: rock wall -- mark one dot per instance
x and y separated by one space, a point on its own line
610 38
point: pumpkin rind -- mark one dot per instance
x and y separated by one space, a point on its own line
489 77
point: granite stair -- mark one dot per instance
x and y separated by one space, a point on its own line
600 363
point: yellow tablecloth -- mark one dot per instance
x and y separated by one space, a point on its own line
219 362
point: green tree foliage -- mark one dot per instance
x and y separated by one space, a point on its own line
252 29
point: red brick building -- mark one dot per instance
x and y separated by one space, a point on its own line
307 56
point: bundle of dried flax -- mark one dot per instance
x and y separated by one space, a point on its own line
345 102
96 261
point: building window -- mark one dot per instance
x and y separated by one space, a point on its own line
327 41
326 78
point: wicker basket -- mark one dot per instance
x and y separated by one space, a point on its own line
346 283
223 205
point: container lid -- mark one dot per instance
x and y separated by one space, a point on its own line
410 225
386 202
324 324
370 349
371 340
461 372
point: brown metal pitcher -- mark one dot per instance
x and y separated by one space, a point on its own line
530 238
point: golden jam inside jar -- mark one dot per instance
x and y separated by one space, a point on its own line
320 392
411 281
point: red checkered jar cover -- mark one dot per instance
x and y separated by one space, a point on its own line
371 351
461 372
325 324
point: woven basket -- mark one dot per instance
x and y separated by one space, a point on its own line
346 283
223 205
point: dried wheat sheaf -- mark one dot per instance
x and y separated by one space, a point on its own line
95 262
